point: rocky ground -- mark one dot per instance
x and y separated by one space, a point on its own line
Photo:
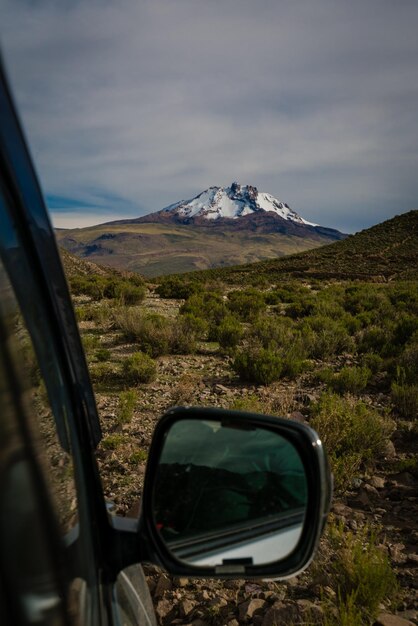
386 497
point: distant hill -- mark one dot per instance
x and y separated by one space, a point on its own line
74 266
384 252
218 228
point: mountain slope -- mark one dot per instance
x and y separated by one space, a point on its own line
218 228
386 251
238 207
232 202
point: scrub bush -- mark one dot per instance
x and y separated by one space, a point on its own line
247 304
128 291
373 361
408 361
353 433
150 330
351 380
326 337
139 368
258 365
229 332
102 355
127 402
175 287
361 573
208 305
405 400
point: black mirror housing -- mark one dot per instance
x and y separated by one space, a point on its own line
231 494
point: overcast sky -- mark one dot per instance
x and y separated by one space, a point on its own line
131 105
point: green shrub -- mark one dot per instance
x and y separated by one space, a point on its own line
405 328
90 342
293 358
102 372
250 403
247 304
150 330
405 400
196 326
130 291
129 294
182 336
139 368
325 337
408 361
272 297
351 380
208 305
111 442
258 365
138 457
354 434
272 332
102 354
373 361
375 339
229 332
324 375
361 573
300 309
158 335
406 465
102 315
127 402
178 288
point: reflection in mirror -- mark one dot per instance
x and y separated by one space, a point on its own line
229 494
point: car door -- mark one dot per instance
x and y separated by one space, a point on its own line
53 521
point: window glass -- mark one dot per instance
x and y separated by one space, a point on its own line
55 460
30 560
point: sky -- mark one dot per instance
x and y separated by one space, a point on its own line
132 105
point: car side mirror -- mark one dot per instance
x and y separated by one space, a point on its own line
229 493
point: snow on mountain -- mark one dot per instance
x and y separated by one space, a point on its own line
233 202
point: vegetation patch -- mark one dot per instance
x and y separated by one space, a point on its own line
139 368
354 434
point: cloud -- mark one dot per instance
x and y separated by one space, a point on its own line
130 106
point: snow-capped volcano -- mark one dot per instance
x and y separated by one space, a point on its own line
232 202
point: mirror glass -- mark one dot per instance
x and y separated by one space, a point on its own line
229 494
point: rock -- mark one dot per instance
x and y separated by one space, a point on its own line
413 558
340 509
297 416
250 607
387 619
371 491
187 606
165 611
396 553
305 398
181 582
222 388
405 478
232 584
390 451
311 610
281 615
377 481
233 622
164 584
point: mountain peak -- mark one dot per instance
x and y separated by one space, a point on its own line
232 202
